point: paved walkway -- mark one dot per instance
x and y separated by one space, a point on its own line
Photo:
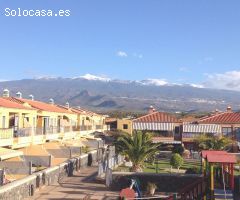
81 186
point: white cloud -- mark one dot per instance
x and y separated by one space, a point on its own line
122 54
229 80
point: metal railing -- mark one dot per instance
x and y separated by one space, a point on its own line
23 132
67 129
99 127
6 133
38 131
51 130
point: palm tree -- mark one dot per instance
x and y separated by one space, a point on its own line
137 148
207 142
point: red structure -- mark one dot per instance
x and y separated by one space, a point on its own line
223 159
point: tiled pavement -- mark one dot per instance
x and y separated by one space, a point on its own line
81 186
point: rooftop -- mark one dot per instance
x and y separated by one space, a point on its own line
222 118
39 105
157 117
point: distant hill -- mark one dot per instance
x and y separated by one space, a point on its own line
105 94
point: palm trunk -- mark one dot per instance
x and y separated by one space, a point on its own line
136 168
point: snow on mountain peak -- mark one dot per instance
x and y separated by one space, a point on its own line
91 77
156 82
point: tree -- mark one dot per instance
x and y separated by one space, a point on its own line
137 148
210 142
176 161
178 149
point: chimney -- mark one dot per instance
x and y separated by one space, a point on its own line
67 105
51 101
151 110
19 95
6 93
229 109
31 97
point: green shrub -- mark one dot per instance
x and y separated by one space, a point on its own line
194 170
178 149
176 161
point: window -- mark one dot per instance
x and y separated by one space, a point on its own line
125 126
4 122
227 131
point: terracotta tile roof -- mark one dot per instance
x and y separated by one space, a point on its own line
222 118
224 158
157 117
205 153
40 105
11 104
84 111
78 110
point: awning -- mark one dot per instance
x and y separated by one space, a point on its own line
153 126
201 128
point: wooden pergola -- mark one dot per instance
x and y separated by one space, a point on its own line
222 158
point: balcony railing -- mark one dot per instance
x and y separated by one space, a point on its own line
23 132
6 133
76 128
38 131
67 129
51 130
83 128
189 135
98 127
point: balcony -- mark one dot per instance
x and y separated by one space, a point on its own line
6 137
38 137
68 132
189 137
22 137
99 127
85 130
52 132
163 136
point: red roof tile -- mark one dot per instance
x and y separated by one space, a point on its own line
205 153
224 158
10 104
40 105
157 117
222 118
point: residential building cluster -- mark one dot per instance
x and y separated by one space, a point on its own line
32 130
169 129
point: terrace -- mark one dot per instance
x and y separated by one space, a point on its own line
6 137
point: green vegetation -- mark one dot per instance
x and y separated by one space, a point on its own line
163 166
85 149
178 149
208 142
176 161
137 148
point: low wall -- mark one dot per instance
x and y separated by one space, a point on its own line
165 182
26 187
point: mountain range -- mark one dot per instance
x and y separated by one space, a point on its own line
103 94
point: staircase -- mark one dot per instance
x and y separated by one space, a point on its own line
219 194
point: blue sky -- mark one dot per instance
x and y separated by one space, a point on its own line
179 41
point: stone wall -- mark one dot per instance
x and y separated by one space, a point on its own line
23 188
